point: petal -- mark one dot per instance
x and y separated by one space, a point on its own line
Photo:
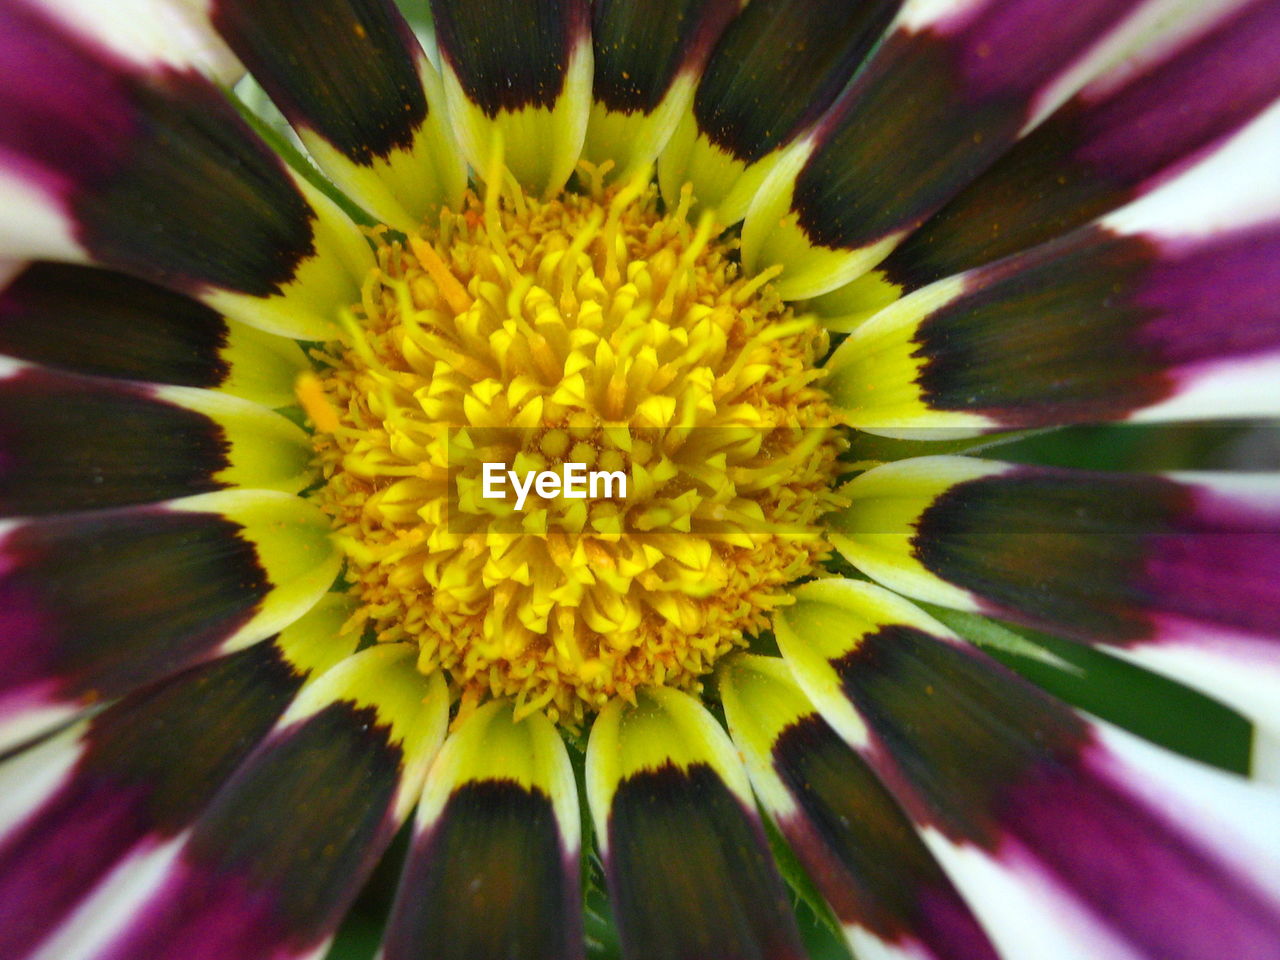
779 65
1046 822
846 308
77 443
1116 140
494 869
1094 681
1137 316
272 865
137 775
153 33
952 86
1264 762
856 844
689 870
93 605
1180 574
877 531
354 83
517 79
149 169
648 58
112 325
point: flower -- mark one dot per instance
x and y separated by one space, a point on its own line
256 607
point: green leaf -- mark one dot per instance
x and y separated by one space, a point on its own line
252 103
865 449
996 637
818 925
1154 707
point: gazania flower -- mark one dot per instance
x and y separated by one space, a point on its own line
789 270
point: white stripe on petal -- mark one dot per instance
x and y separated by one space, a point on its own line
31 777
111 908
27 713
1237 819
865 946
1179 27
1253 491
1264 761
921 14
34 225
1150 22
174 33
1233 187
1023 914
1238 387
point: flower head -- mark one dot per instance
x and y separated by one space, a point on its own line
292 286
603 334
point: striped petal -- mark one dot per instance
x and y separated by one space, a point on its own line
164 33
494 870
1069 839
857 845
269 869
1180 573
112 325
354 83
951 88
1138 316
1116 140
689 870
146 168
517 79
648 58
87 808
78 443
94 605
779 65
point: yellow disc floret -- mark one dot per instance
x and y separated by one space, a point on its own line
593 330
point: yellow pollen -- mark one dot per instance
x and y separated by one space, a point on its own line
446 282
587 329
315 404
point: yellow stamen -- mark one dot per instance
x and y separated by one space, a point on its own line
595 331
452 291
315 404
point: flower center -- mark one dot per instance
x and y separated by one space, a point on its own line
590 330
